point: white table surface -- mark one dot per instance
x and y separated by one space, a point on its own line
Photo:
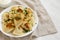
53 9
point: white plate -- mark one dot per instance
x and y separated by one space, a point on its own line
34 27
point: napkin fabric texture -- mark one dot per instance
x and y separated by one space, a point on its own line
45 25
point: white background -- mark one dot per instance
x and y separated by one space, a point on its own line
53 9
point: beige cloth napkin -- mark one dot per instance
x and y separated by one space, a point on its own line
45 25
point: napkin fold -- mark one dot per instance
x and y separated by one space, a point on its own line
45 25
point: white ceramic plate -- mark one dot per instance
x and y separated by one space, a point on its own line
34 27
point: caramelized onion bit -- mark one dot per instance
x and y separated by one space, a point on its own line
20 10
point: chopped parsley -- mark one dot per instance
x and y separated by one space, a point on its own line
7 20
26 30
25 11
17 18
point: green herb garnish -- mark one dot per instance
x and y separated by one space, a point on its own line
17 18
25 30
7 20
25 11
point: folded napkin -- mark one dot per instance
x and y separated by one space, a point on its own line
45 25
